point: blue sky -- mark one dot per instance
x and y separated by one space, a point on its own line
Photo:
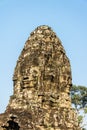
68 18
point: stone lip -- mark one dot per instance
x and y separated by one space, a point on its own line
42 81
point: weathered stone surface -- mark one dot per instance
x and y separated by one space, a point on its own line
42 81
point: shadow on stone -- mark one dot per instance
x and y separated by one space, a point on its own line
12 125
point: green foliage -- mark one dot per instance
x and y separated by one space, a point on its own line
83 129
79 102
79 96
85 110
80 119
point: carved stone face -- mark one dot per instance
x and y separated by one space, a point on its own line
42 80
43 64
34 77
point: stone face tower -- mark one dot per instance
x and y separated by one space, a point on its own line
42 81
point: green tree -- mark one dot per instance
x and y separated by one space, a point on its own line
79 102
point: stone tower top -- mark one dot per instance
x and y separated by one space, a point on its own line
43 67
42 81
